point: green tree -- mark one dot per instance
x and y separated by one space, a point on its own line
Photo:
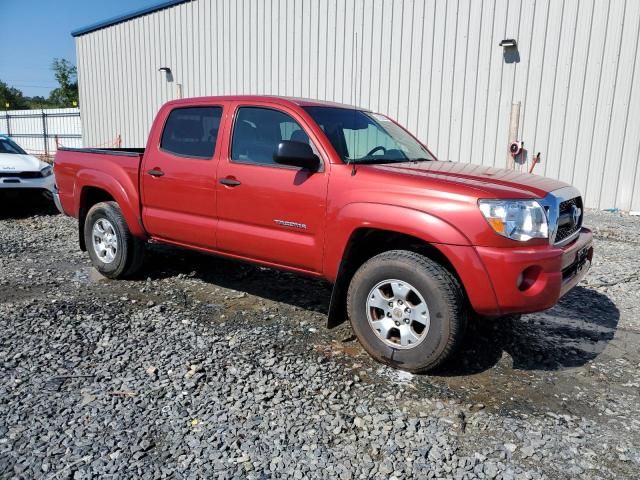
12 96
67 93
37 102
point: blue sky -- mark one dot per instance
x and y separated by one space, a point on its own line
34 32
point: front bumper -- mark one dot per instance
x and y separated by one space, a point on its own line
41 183
528 280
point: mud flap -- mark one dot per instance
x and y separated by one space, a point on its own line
83 246
338 303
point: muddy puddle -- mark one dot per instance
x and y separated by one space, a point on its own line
88 276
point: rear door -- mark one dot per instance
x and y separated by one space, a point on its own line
178 178
267 211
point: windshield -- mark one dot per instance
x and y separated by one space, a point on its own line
365 137
8 146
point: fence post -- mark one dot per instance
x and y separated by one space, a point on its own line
8 123
44 134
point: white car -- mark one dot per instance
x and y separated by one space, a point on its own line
19 170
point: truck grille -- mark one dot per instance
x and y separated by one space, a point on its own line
570 218
20 175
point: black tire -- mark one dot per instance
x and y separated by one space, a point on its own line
442 293
130 250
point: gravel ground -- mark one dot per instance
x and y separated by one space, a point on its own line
205 368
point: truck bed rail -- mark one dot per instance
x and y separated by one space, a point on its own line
129 152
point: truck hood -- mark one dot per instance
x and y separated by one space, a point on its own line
14 162
495 182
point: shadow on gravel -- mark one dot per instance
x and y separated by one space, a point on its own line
569 335
307 293
25 204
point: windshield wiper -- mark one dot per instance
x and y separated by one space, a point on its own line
420 159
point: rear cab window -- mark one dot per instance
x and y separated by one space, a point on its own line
192 131
257 131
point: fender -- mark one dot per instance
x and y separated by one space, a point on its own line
123 190
347 220
404 220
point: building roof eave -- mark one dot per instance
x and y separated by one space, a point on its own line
127 16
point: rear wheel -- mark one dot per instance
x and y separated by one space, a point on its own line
114 251
407 310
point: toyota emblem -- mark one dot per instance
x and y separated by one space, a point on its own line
575 214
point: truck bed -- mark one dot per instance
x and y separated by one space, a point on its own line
113 171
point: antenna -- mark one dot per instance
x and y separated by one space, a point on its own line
354 64
360 72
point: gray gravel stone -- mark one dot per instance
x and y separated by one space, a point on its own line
203 368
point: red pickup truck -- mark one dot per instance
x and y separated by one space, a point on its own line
412 245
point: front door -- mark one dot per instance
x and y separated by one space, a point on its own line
267 211
178 179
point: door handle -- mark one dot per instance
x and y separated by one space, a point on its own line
230 182
156 172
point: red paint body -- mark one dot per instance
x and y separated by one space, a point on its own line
436 202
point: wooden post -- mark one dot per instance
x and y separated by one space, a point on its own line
514 125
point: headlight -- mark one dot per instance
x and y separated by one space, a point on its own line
516 219
46 171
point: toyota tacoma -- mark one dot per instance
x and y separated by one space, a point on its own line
413 246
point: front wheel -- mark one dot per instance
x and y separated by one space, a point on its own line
114 251
407 310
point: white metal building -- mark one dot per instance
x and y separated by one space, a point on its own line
434 65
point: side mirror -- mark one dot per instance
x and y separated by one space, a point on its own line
296 154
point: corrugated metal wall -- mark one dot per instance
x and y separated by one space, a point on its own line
434 65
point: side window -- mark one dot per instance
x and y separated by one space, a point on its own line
258 131
192 131
290 130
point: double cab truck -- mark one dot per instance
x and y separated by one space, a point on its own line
413 246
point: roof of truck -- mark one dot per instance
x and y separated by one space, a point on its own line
311 102
302 102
